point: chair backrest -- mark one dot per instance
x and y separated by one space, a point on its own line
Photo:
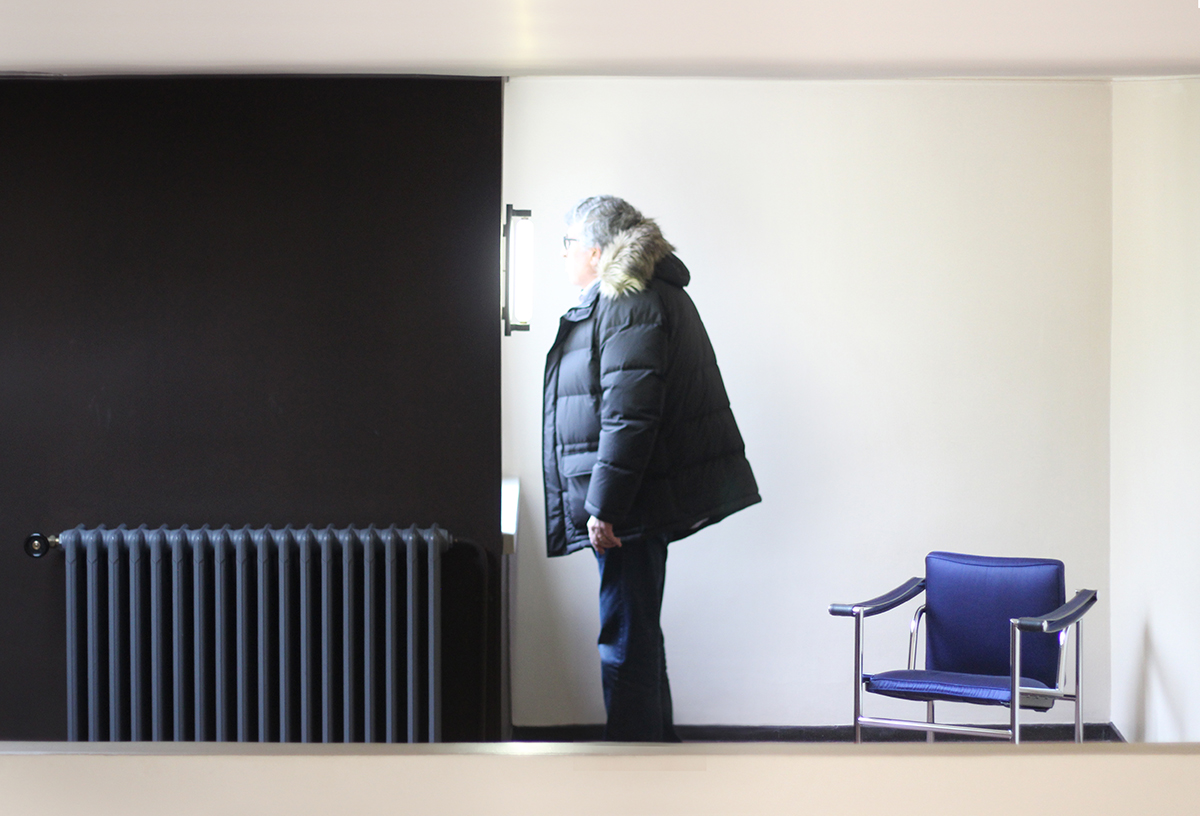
969 600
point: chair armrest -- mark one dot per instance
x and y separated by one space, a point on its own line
905 592
1062 617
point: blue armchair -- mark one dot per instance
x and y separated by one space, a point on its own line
995 631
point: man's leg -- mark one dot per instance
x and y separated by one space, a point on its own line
668 712
637 694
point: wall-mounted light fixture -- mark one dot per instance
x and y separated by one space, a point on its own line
516 305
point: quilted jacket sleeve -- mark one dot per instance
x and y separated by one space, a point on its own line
632 359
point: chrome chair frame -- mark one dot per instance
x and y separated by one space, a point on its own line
1058 621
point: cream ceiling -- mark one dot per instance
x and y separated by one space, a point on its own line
807 38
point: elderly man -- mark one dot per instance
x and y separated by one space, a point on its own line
640 447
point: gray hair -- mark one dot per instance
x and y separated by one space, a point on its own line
603 218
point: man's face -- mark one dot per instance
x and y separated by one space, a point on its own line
580 259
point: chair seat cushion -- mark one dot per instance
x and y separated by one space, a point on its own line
982 689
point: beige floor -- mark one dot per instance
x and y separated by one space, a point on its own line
535 779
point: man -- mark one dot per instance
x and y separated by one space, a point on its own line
639 446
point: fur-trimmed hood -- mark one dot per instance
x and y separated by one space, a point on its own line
627 264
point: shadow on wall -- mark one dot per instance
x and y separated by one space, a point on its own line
538 583
1156 689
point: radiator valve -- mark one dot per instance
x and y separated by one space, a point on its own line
38 545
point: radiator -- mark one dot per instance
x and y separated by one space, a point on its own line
267 635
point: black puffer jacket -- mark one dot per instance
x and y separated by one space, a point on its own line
637 428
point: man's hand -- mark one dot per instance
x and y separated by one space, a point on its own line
601 536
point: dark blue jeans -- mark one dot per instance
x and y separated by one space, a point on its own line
633 662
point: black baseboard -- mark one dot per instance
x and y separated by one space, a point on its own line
1039 732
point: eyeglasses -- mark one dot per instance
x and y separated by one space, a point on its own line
567 242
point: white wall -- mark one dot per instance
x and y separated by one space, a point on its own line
908 288
1156 409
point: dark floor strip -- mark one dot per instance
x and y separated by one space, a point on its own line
1040 732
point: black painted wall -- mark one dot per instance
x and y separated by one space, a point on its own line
239 301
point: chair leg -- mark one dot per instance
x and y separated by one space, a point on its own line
1014 701
1078 679
929 719
858 661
